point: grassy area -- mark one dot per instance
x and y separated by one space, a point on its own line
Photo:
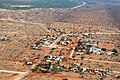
38 4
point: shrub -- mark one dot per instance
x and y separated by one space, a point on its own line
104 49
114 50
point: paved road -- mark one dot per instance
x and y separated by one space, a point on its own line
57 40
78 6
12 71
34 65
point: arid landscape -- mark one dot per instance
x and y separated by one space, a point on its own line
56 42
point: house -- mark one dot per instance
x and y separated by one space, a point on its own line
110 52
76 64
29 63
62 42
91 44
46 43
84 69
86 35
53 57
61 72
73 69
95 50
36 46
79 53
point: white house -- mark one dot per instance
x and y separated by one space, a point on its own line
95 50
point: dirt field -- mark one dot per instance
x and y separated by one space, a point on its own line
7 76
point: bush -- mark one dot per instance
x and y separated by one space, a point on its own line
66 79
104 49
114 50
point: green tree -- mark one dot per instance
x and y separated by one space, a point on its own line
104 49
58 62
66 79
114 50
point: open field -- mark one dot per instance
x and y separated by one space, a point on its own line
114 11
7 76
12 65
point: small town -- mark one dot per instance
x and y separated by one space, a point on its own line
62 54
59 39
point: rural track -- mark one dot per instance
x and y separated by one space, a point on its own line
98 61
15 72
22 21
12 42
